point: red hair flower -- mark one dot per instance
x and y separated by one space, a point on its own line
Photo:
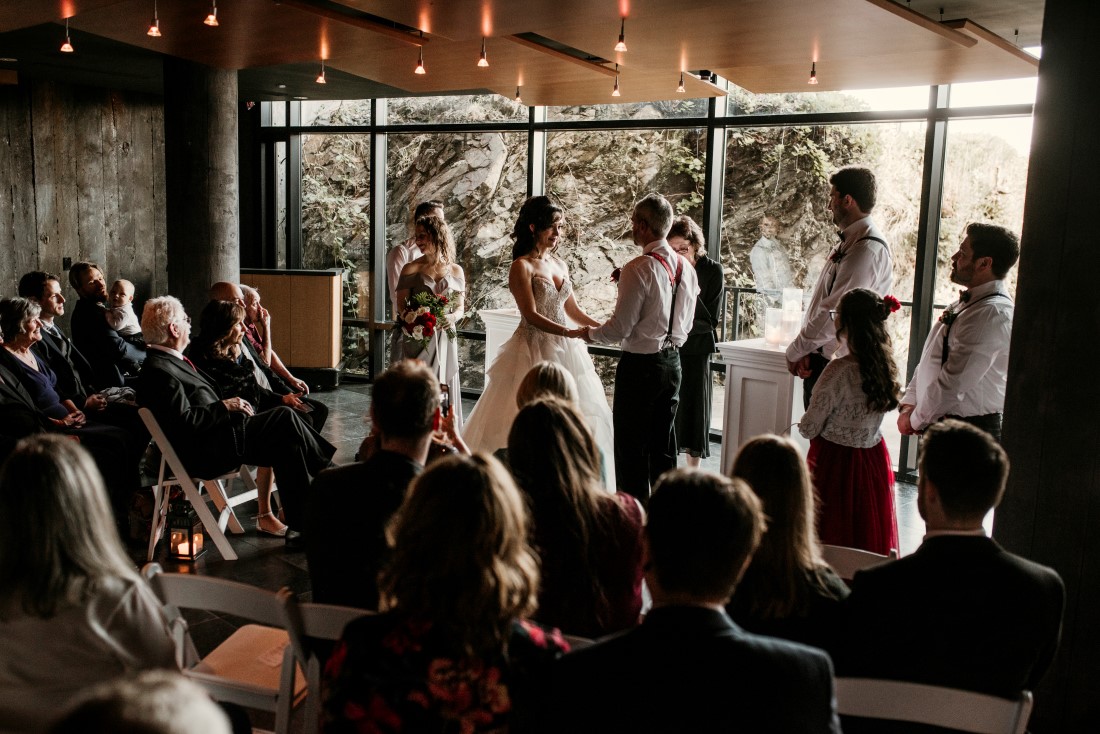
893 303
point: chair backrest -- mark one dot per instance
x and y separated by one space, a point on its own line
191 591
576 643
846 561
966 711
167 452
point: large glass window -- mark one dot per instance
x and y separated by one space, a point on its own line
660 110
474 108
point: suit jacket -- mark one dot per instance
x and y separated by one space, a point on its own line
347 511
19 417
690 669
75 377
959 612
708 307
188 408
102 345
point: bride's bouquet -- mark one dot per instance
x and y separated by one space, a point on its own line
423 315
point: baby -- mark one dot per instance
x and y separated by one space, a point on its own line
120 309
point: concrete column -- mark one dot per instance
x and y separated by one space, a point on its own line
201 171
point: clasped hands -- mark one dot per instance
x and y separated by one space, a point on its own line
579 333
800 367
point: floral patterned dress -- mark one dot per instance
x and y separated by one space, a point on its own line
391 673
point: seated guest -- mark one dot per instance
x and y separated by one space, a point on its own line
153 702
117 452
589 541
265 375
961 611
349 506
119 311
74 372
787 591
213 435
73 611
688 667
106 350
453 650
258 332
217 352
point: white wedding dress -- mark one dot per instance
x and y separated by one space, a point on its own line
491 419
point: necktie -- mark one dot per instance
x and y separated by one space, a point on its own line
190 364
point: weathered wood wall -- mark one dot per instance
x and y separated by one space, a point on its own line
82 177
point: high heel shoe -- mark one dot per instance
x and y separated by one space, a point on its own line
280 533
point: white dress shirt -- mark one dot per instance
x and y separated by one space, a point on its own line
838 410
973 379
863 263
640 320
396 259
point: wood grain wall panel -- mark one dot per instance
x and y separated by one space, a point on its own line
82 172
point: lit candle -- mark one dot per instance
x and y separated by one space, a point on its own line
184 549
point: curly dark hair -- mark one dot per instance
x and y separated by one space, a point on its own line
539 211
863 324
216 324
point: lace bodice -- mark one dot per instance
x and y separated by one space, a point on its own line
550 301
838 409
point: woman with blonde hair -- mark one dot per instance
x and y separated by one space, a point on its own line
590 541
73 611
546 379
452 650
436 273
788 590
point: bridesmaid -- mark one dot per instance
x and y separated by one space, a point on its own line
435 272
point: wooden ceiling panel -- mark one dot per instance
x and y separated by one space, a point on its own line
16 14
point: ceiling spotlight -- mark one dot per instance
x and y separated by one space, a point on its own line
67 47
420 61
484 60
680 88
518 98
212 18
621 45
154 26
813 73
615 91
321 77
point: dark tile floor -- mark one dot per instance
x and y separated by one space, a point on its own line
265 562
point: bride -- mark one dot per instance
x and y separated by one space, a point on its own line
539 281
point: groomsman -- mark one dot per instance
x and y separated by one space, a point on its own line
654 312
862 259
963 370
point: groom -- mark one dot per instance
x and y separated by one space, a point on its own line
652 318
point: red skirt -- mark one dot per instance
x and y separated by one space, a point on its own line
855 492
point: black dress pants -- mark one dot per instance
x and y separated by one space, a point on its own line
647 389
818 363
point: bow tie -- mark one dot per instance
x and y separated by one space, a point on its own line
840 236
964 296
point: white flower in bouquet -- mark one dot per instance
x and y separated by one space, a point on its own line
418 332
410 316
422 310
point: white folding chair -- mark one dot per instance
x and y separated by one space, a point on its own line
952 708
173 473
254 667
576 643
846 561
307 624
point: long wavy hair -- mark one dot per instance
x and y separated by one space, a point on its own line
775 584
216 323
556 463
863 316
546 380
440 233
460 559
539 211
58 538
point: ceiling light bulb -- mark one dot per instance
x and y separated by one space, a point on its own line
154 25
680 88
621 45
615 91
67 47
484 60
518 98
321 77
420 59
212 19
813 73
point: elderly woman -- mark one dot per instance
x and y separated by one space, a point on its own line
693 412
73 611
37 389
452 650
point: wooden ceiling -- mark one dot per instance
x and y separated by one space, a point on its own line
761 45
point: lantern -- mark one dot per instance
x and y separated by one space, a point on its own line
185 531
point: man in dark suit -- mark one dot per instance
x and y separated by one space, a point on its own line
213 435
349 507
961 611
688 667
104 348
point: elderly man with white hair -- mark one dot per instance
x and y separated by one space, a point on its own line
213 435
